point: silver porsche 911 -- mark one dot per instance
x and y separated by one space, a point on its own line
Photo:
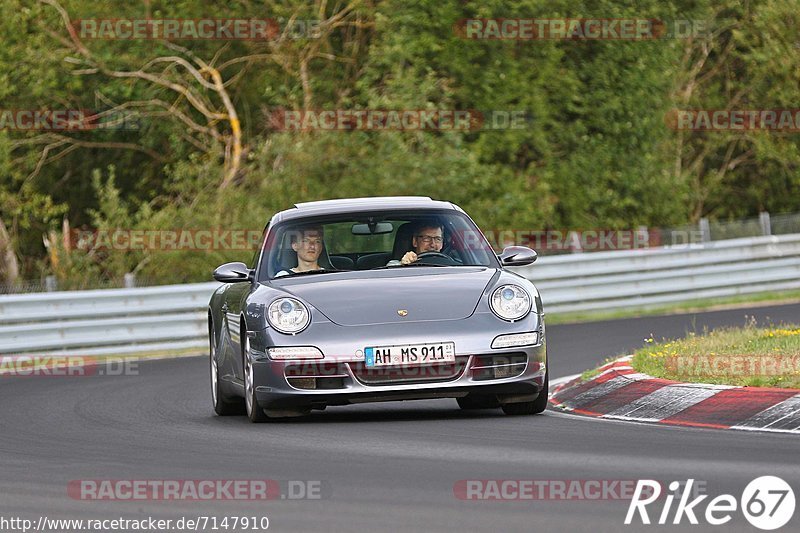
376 299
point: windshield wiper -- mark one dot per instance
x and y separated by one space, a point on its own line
416 263
308 273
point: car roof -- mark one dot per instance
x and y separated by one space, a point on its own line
355 205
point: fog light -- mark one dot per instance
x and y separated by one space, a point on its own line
303 383
516 339
506 371
294 352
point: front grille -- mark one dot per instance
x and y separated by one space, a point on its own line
507 365
408 374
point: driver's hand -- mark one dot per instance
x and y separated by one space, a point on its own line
409 258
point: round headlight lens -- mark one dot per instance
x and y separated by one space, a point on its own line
510 302
288 315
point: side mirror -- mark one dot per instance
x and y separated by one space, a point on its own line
233 273
517 256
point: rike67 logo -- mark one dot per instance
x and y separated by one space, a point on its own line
767 503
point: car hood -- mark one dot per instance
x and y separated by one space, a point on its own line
380 297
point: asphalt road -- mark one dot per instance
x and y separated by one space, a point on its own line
381 467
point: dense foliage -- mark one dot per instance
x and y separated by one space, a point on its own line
596 152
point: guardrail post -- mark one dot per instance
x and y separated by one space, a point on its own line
642 238
574 242
705 230
766 226
130 280
50 284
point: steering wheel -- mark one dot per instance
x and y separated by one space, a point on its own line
437 257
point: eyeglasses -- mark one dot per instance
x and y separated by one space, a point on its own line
427 239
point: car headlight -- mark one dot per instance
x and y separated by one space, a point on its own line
288 315
510 302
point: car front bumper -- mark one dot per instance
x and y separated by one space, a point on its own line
287 398
513 374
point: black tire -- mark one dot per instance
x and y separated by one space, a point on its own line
478 402
530 408
254 412
223 405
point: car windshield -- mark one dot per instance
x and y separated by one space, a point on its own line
374 241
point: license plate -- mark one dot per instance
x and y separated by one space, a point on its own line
410 354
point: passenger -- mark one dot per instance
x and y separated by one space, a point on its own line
307 242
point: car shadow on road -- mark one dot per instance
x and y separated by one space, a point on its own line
392 413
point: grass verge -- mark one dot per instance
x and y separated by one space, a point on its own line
748 356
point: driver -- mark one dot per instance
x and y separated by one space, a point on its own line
428 237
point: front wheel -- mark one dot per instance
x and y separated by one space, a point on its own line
254 412
223 405
531 408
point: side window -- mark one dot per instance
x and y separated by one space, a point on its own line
266 252
467 243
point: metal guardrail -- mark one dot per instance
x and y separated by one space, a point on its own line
108 321
658 276
173 317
